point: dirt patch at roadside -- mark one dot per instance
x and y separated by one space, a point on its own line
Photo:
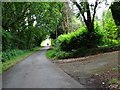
109 80
91 71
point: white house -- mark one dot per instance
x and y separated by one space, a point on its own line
46 42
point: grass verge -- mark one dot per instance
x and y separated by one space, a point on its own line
9 63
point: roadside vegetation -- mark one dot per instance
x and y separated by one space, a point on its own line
77 44
102 37
10 58
24 27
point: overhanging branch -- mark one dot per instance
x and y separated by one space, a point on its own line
94 12
80 9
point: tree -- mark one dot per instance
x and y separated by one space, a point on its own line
84 7
87 11
115 8
64 22
26 24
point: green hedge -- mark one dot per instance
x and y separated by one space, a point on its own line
70 41
78 39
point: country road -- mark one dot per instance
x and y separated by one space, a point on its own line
37 71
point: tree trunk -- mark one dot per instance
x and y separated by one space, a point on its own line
90 27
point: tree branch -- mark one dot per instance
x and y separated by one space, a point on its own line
94 12
80 9
88 13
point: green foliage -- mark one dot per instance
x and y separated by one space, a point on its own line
81 52
6 39
11 57
7 55
79 39
26 24
71 41
62 55
53 42
57 54
110 30
115 69
50 53
78 43
113 81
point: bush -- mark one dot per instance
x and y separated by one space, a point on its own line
79 39
7 55
82 43
81 52
57 54
70 41
51 53
63 55
53 42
